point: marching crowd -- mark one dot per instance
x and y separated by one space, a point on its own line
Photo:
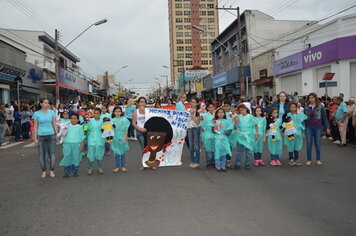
220 125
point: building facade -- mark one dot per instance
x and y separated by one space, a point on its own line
300 65
190 48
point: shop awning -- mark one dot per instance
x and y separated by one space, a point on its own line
31 90
4 86
263 81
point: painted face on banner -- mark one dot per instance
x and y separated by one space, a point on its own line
155 141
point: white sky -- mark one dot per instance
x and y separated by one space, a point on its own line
136 33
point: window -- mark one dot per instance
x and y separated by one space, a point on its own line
202 20
180 41
205 62
210 62
178 5
211 6
204 55
179 13
189 63
187 13
179 34
180 49
180 55
187 34
210 41
202 6
179 20
211 20
204 41
179 27
180 70
187 20
211 13
211 27
204 48
188 55
188 41
188 48
186 5
187 27
202 13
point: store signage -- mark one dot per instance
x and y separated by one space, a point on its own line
220 80
34 75
328 76
10 73
71 81
337 49
220 90
330 84
196 73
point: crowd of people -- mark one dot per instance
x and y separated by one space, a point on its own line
96 129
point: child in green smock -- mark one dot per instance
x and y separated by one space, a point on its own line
96 143
221 128
246 134
73 146
275 143
232 137
208 138
120 145
105 113
258 146
295 145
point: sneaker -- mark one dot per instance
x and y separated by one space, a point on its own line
196 165
229 163
257 163
247 167
237 167
115 170
273 163
319 163
75 175
124 170
90 171
279 163
291 162
210 166
337 142
308 163
100 171
331 138
191 165
262 163
66 176
298 163
323 136
135 139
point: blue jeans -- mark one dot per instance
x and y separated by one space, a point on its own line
240 150
274 157
313 134
209 158
141 138
131 131
25 130
120 161
91 164
71 169
258 156
194 144
47 144
221 162
17 125
2 132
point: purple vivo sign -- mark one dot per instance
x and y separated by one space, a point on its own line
337 49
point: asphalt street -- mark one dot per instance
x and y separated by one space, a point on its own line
315 200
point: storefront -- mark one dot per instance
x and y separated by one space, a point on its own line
303 72
72 86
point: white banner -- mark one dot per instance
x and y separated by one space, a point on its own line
164 139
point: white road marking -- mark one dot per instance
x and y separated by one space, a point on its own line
29 145
10 145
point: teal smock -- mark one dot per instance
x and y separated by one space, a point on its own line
71 146
262 123
63 121
222 145
245 135
232 136
276 148
121 126
207 137
96 144
297 143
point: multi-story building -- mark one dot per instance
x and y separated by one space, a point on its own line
189 48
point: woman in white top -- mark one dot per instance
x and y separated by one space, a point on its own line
138 120
194 133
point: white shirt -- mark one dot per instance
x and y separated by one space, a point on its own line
191 123
248 105
300 110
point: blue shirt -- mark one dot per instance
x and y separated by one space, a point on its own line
180 106
281 111
129 111
44 120
341 110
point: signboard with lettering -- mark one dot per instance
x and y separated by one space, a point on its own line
71 81
288 64
220 80
196 73
10 73
164 139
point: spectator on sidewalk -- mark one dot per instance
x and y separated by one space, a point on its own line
9 117
17 123
350 130
342 119
2 122
282 104
25 122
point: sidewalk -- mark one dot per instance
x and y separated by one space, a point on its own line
8 140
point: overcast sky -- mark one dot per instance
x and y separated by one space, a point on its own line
136 33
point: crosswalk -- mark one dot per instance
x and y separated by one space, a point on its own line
23 144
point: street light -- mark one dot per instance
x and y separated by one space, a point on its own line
57 53
120 69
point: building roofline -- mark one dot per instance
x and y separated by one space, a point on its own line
12 46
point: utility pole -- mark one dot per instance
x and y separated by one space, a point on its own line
167 92
56 64
239 40
106 79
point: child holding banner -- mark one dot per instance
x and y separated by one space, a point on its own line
208 138
194 133
96 144
221 128
120 144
